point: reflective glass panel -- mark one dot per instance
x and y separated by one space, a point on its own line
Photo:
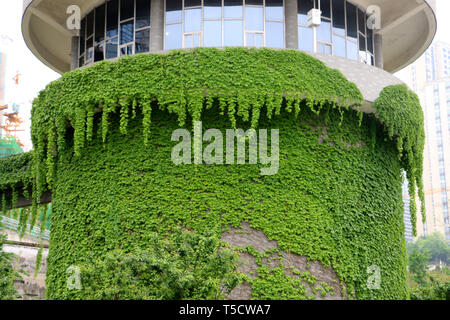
99 52
324 31
192 3
254 18
173 36
212 35
82 36
274 10
303 8
81 62
352 50
274 34
305 39
352 31
173 10
142 13
142 41
90 24
370 40
192 20
339 46
100 23
326 9
126 9
361 21
111 48
362 43
254 2
339 17
233 34
233 8
324 48
112 18
212 9
254 39
126 32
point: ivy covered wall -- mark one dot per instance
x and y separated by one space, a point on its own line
102 145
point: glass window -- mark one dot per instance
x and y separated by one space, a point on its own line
100 23
304 6
82 36
90 24
254 2
173 10
142 13
233 9
305 39
112 18
212 35
274 10
339 17
99 52
233 33
192 3
361 21
352 50
126 9
274 34
324 31
324 48
254 18
212 9
325 8
126 50
254 39
192 20
351 21
362 43
174 34
126 32
370 40
339 48
142 41
192 40
111 48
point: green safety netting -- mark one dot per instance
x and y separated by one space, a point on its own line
9 146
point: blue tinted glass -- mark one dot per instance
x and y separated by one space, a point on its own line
233 8
324 31
173 10
192 20
274 34
126 32
112 18
352 50
339 46
126 9
173 36
212 9
142 41
233 34
212 35
111 48
305 39
339 17
142 13
254 18
274 13
303 8
351 21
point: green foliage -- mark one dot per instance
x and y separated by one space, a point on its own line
185 265
435 245
335 199
436 290
417 264
398 108
7 273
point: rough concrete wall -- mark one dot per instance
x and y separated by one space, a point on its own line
246 236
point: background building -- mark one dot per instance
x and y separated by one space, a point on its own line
429 77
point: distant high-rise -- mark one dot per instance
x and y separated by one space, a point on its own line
429 77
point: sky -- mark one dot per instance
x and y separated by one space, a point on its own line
34 75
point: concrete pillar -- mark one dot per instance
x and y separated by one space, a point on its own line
157 26
74 52
290 14
378 47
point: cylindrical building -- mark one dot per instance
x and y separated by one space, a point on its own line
327 224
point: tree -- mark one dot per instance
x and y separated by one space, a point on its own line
417 264
184 265
436 245
7 273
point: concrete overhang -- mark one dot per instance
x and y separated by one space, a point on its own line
407 26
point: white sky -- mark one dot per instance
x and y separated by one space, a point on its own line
35 75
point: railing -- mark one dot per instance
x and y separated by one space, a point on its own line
12 224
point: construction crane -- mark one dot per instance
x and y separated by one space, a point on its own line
10 122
